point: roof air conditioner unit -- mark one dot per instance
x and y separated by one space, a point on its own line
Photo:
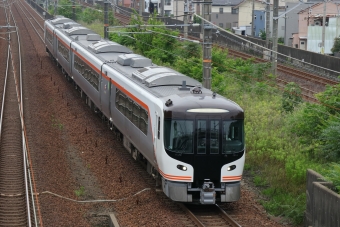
317 23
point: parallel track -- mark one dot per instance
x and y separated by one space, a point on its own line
14 195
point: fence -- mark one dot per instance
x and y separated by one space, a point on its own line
323 204
40 10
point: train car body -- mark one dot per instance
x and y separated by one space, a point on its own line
191 139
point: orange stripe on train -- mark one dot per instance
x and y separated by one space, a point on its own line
172 177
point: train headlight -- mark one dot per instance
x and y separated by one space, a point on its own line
183 168
230 168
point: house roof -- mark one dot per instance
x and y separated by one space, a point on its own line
243 1
226 2
317 4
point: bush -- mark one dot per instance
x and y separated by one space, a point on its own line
291 97
336 45
329 148
333 175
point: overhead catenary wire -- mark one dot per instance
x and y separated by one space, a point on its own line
264 48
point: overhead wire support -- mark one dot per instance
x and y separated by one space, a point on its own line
7 26
207 44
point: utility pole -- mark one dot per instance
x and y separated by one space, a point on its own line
115 2
275 28
323 28
176 8
207 44
252 19
185 21
162 8
106 20
73 10
141 7
267 23
55 7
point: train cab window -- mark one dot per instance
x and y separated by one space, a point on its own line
233 137
178 136
201 136
214 136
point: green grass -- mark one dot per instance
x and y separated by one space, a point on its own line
80 192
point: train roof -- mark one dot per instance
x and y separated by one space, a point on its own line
158 80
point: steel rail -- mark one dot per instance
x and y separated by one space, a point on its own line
20 103
24 6
230 219
191 215
29 165
33 25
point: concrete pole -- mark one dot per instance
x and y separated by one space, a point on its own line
275 28
207 44
186 18
55 7
267 23
252 19
106 20
162 8
73 10
323 28
141 7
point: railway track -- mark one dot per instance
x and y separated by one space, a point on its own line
310 84
209 216
15 204
36 22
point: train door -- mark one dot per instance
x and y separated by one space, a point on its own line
208 153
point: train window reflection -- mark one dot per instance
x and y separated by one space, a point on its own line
233 137
201 136
214 136
178 136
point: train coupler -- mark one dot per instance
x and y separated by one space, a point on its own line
208 194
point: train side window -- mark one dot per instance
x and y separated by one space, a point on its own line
49 36
144 121
201 136
131 110
135 114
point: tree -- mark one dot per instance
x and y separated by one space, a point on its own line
336 45
330 98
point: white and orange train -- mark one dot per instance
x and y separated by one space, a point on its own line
191 139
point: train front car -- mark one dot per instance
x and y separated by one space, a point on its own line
204 133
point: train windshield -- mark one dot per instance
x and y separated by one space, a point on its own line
204 136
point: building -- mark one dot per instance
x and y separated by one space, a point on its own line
311 22
245 14
223 13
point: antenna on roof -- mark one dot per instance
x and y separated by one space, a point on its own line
184 86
